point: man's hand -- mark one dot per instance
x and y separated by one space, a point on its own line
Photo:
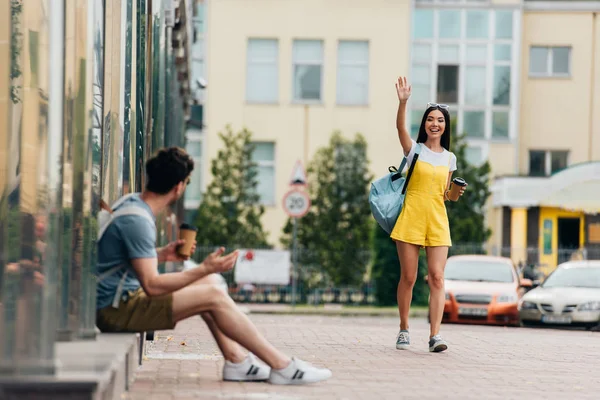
169 252
216 263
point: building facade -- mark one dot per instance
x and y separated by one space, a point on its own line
547 209
294 72
522 92
88 91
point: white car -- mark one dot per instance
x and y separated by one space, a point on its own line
569 296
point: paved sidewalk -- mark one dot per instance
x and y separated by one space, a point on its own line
482 362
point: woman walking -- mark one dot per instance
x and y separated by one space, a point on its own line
423 221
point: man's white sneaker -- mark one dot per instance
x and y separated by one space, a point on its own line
249 370
298 373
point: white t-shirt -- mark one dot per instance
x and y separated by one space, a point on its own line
445 158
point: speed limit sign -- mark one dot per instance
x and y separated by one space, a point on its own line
296 203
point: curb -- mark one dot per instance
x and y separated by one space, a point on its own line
333 312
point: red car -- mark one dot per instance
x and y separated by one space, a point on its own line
482 290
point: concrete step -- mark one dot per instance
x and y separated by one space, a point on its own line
100 369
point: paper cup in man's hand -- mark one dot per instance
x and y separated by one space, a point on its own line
188 234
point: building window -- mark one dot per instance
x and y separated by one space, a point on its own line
504 24
353 72
477 24
464 56
193 193
501 85
264 157
308 69
416 116
474 155
449 24
545 163
423 24
475 86
447 84
549 61
558 161
421 74
474 124
500 125
262 76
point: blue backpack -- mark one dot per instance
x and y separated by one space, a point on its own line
387 194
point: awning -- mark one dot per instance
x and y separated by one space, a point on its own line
576 188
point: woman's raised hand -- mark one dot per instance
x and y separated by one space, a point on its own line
403 89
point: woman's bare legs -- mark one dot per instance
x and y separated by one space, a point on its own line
408 254
436 262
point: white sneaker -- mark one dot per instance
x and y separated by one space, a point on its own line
298 373
249 370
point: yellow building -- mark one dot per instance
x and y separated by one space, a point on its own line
549 207
293 72
522 91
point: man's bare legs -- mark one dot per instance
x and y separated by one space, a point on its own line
231 350
228 320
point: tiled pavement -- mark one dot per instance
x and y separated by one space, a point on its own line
482 362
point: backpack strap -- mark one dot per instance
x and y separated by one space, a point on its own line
412 167
106 219
129 210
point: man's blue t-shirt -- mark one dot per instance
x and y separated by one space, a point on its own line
127 237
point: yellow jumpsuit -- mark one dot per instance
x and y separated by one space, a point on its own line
423 220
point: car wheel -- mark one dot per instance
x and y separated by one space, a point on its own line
524 324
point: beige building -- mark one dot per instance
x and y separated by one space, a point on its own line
293 72
549 207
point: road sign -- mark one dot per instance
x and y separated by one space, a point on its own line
298 175
296 203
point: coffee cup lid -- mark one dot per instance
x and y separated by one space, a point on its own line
459 181
188 227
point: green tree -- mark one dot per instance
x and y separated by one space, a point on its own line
230 213
467 215
334 235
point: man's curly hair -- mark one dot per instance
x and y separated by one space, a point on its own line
167 168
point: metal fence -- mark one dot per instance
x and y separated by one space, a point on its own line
315 286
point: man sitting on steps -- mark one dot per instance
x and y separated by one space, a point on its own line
134 297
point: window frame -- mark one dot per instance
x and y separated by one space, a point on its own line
193 136
296 100
340 65
548 161
253 62
550 62
490 62
271 164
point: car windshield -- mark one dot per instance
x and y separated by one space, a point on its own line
584 277
478 271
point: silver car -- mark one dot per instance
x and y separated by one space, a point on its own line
569 296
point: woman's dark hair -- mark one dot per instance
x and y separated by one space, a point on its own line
167 168
445 140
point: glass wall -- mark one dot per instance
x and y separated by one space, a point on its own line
84 87
467 57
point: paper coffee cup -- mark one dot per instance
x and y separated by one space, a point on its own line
457 184
188 233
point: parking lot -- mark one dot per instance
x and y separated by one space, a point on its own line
482 362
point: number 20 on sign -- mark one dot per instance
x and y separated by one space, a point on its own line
296 203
